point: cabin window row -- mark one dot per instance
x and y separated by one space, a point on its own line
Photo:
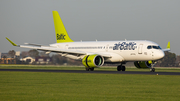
84 47
100 47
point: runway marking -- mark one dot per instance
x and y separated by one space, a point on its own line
102 72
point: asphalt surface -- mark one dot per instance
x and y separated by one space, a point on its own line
100 72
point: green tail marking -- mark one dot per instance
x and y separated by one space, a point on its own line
60 31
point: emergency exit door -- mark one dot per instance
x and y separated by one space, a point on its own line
140 49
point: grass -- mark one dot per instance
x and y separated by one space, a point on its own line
43 86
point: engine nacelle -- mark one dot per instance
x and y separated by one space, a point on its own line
143 64
92 61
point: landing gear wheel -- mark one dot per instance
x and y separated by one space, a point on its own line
152 70
92 69
123 68
119 68
87 69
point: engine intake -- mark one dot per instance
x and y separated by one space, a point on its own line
92 61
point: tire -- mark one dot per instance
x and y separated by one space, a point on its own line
123 68
119 68
92 69
153 69
87 69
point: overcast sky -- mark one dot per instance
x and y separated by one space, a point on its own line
32 21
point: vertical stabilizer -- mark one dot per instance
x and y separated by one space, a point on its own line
60 31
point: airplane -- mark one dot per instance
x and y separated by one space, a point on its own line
93 54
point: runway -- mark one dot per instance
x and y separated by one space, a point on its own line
99 72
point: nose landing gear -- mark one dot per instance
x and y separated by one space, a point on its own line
152 69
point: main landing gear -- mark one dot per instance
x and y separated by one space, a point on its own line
121 68
91 69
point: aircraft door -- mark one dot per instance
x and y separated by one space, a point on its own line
140 49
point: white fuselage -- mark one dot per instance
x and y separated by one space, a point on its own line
119 50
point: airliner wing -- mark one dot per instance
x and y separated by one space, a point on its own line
64 51
53 49
49 49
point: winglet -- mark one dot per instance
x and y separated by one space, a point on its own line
168 45
167 48
11 42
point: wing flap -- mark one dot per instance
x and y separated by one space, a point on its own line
33 44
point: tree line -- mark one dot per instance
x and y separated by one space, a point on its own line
56 59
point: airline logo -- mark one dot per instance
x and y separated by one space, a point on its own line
125 46
60 36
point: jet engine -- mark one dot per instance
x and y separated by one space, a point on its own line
143 64
91 61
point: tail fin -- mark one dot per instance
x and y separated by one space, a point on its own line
60 31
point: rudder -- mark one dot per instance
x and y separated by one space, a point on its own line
60 31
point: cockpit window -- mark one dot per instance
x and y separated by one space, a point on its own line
159 47
153 47
149 47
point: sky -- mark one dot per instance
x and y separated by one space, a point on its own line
31 21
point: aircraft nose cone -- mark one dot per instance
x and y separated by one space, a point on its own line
160 55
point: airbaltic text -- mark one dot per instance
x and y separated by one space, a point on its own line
125 46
